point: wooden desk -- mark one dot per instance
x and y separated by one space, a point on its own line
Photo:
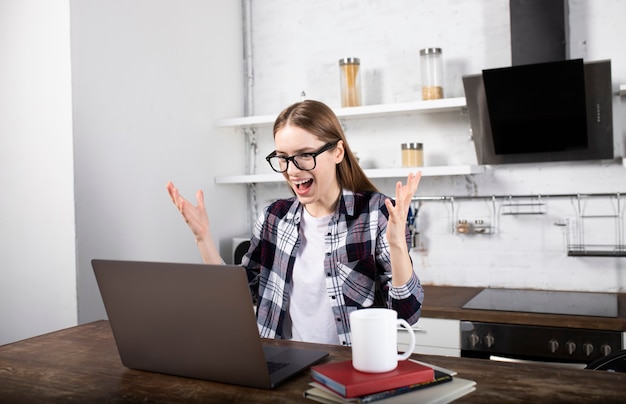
81 364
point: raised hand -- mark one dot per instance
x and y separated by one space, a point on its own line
401 266
198 221
195 216
396 225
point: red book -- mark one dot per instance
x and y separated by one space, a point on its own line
344 379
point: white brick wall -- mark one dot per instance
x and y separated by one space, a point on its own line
296 48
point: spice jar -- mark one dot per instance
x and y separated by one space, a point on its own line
350 82
431 65
412 155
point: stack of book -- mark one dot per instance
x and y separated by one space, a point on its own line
412 381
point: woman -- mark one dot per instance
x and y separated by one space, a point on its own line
338 245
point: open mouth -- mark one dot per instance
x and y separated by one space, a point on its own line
303 184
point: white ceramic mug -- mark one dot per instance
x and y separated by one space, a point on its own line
375 340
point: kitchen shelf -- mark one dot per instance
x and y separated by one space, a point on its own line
371 173
423 107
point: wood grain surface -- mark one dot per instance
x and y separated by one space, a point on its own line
81 364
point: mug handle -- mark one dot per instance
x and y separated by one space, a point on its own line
402 322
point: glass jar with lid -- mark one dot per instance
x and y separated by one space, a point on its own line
350 82
431 67
412 155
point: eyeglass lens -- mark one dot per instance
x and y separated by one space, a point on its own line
305 162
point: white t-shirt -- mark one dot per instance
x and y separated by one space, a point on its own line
310 312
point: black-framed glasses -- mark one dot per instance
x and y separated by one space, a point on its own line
303 161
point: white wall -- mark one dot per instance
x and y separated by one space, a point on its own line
149 80
37 235
300 50
524 251
143 84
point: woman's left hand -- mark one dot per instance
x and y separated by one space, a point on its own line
396 225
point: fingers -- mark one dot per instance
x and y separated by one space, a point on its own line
413 181
411 185
171 189
404 193
399 192
179 201
389 206
200 199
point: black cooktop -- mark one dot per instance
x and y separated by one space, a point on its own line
545 301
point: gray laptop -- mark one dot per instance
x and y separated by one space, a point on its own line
194 321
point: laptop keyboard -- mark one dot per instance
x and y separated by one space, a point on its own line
275 366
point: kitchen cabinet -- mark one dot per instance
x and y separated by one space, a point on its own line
433 336
252 123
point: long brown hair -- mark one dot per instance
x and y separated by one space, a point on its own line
318 119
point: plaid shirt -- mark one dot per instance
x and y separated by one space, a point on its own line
357 263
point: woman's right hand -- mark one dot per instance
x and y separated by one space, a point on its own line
198 221
195 216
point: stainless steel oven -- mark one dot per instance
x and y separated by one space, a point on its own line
540 343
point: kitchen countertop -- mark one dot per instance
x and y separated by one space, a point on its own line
447 302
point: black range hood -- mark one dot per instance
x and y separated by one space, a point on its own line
539 31
545 107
